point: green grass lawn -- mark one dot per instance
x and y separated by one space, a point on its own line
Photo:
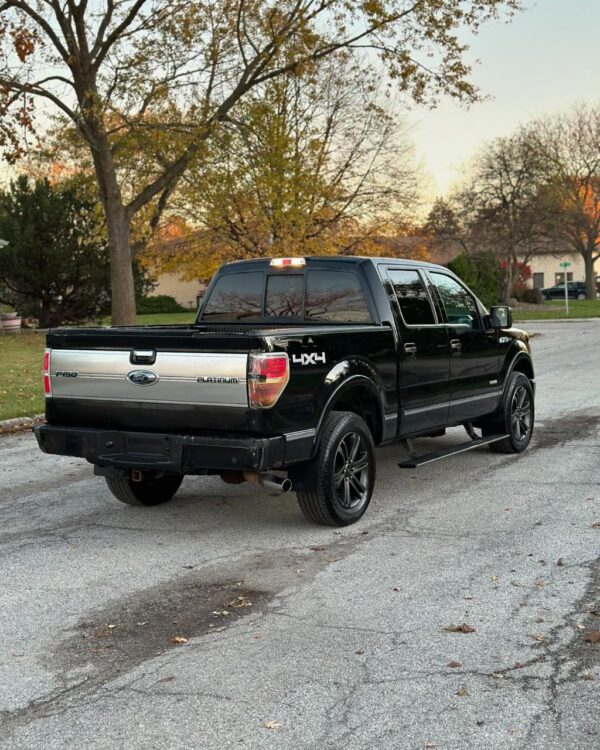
21 354
578 308
21 393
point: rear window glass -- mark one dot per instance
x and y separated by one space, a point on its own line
284 296
236 296
335 296
412 297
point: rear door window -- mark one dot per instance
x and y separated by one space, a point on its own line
236 296
284 296
336 297
412 297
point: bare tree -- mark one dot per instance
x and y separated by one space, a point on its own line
503 205
570 146
169 72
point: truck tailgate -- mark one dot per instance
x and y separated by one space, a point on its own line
172 377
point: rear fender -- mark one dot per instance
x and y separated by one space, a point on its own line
352 385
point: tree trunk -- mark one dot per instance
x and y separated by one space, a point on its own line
508 281
121 269
590 274
117 223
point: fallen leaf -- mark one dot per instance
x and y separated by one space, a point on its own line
560 562
494 578
514 583
241 601
318 548
588 677
593 636
178 639
221 613
272 725
517 665
360 652
463 692
110 627
397 588
539 637
468 597
430 745
579 626
463 628
513 730
498 675
170 678
454 664
480 722
595 525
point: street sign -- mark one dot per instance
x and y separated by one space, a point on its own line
565 264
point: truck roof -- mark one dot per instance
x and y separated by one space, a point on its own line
333 259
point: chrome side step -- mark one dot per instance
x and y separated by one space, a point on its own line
415 461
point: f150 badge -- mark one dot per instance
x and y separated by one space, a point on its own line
309 359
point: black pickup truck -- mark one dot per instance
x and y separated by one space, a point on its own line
293 371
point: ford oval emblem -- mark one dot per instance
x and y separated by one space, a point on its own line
142 377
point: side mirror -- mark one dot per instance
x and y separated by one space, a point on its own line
501 316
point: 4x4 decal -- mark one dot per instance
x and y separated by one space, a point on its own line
309 359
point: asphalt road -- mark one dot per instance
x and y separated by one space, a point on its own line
306 637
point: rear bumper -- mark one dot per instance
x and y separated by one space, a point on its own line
185 454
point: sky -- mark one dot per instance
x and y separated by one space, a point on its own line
545 60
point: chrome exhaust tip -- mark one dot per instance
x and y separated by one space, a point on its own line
269 481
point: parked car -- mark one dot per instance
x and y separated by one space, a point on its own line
575 290
294 370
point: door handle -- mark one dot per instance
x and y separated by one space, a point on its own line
410 349
455 345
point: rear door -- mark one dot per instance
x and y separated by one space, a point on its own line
474 361
423 352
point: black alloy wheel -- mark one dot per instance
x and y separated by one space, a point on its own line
516 417
335 487
351 471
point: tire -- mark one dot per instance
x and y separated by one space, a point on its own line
516 417
336 486
150 491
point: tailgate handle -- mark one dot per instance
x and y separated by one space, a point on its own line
142 357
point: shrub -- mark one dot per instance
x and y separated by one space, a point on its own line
161 303
532 296
481 273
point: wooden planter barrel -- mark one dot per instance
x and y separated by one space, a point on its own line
10 323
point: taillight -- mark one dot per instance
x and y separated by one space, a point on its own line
268 375
47 385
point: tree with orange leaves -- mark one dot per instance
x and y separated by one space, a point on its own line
570 148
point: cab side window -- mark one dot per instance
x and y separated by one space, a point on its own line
461 308
412 297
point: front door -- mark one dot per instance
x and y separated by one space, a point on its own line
474 360
423 352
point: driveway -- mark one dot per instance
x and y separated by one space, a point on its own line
225 620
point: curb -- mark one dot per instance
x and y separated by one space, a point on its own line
20 423
556 320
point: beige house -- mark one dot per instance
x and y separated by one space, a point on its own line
547 271
185 292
